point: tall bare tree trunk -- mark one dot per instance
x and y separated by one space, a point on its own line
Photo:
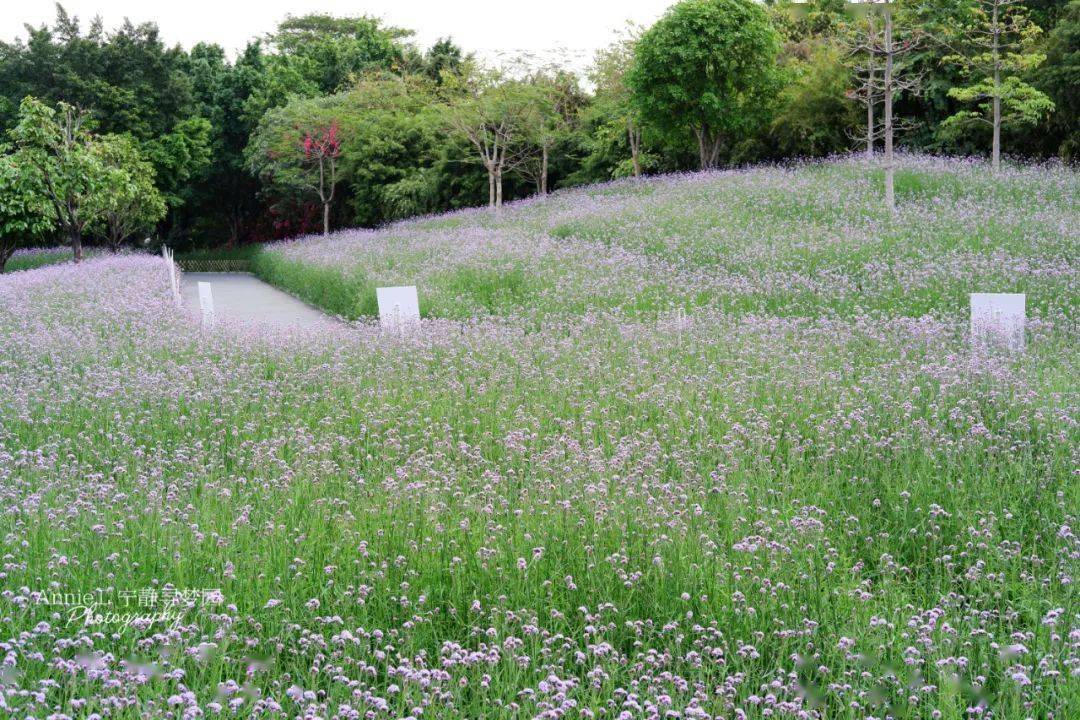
995 151
491 185
890 190
870 117
871 76
326 218
544 170
498 187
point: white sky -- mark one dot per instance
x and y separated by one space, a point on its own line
567 31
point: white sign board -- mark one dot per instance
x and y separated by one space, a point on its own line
206 302
999 318
398 306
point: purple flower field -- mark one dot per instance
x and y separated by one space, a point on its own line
802 496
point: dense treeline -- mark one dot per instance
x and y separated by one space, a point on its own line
330 122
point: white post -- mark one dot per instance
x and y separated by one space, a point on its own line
206 302
174 282
998 318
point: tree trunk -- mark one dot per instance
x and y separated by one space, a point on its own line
635 141
544 170
326 218
498 188
703 158
75 238
491 187
234 228
890 191
871 76
995 152
870 115
115 235
708 147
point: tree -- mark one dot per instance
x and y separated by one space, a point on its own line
997 45
127 80
1060 77
443 58
179 157
24 214
322 148
556 101
890 49
613 95
297 150
59 150
134 203
221 199
396 144
708 66
867 69
814 117
493 115
326 52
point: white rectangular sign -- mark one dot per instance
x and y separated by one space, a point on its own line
999 318
206 302
398 306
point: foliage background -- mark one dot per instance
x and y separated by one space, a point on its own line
212 126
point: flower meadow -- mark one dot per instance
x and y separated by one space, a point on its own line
703 446
30 258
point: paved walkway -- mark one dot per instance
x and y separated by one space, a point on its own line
245 298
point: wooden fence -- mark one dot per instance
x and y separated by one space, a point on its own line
214 264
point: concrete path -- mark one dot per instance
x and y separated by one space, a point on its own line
245 298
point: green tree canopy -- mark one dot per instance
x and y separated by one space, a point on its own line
1059 77
997 48
321 54
496 115
133 204
709 67
296 150
127 79
24 212
814 117
58 149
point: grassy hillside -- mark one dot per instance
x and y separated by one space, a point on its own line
30 258
806 499
802 241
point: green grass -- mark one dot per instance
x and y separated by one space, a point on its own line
29 261
345 293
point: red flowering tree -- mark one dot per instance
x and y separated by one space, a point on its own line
322 149
297 153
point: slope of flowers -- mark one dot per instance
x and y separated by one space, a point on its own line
804 240
30 258
538 512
